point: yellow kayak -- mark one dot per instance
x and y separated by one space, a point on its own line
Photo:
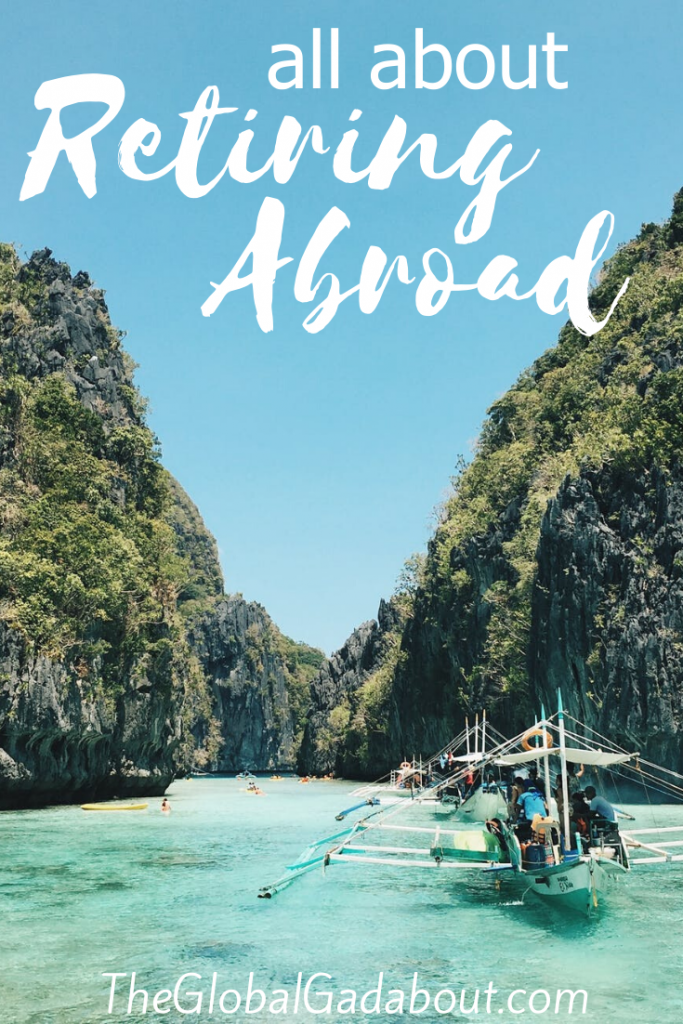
114 807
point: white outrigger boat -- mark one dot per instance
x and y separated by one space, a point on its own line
551 858
489 799
445 782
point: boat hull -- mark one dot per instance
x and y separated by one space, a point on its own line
575 885
482 807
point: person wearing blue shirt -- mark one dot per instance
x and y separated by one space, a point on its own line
530 803
599 805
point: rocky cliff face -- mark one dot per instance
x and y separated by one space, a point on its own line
333 694
257 685
61 743
557 561
121 662
607 621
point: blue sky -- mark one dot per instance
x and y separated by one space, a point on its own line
316 460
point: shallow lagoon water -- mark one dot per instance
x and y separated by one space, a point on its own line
83 894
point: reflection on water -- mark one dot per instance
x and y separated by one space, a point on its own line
84 894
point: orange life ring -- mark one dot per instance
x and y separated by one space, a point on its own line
547 739
405 764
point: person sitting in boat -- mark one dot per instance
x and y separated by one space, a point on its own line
574 774
530 802
517 790
558 793
534 782
599 806
470 782
529 805
490 785
580 815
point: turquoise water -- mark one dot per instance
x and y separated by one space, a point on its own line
83 894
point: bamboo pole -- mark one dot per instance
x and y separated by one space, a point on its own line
409 863
652 831
565 787
546 765
656 860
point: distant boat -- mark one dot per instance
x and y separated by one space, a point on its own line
441 781
488 801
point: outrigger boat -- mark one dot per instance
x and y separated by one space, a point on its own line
442 781
487 800
549 857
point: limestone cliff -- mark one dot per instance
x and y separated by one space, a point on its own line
607 620
558 557
259 681
121 663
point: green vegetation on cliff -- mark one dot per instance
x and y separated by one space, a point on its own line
89 566
607 410
587 403
111 592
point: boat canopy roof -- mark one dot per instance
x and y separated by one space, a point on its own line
575 755
601 758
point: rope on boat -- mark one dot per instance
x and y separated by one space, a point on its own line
640 770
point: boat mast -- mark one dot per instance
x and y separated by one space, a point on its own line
563 760
467 733
483 732
546 763
476 733
536 745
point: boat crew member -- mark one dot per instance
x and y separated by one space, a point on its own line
574 774
517 790
580 812
599 806
534 782
530 803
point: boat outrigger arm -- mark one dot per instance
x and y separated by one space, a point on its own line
558 864
342 846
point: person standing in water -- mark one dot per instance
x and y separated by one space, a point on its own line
165 806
